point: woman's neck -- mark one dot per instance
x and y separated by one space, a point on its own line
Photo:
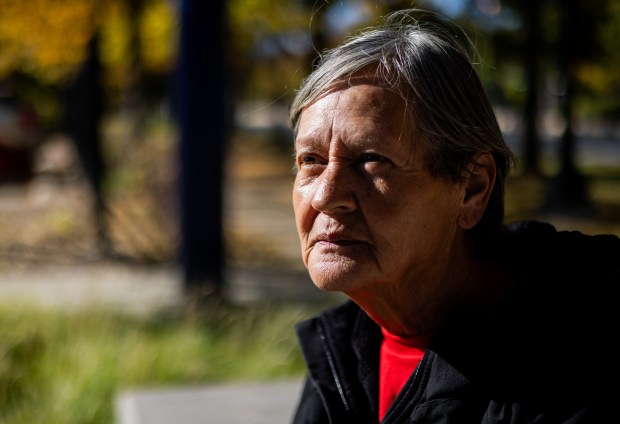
407 310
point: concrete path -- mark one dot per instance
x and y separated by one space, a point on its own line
143 290
130 289
252 403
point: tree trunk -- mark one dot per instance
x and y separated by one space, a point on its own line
83 97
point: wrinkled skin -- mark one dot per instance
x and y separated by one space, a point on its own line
372 222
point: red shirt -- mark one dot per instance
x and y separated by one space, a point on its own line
399 358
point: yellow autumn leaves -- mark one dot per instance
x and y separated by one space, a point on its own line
47 39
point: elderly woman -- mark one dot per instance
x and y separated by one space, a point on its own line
453 316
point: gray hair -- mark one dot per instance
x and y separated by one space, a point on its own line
430 65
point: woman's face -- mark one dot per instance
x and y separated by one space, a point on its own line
368 214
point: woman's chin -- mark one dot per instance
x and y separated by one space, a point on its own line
340 277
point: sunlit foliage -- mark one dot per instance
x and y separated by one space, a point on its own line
44 38
603 76
158 28
47 39
252 20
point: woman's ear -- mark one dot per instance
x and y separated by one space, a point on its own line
479 182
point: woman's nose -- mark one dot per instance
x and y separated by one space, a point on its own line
334 190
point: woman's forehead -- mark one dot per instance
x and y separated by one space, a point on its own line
364 114
369 75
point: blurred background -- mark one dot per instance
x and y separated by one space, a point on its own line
149 139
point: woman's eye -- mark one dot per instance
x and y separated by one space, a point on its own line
307 160
371 157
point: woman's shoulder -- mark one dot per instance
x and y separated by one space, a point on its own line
541 241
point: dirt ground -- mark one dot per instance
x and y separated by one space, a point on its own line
50 219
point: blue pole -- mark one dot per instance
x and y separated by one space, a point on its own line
201 115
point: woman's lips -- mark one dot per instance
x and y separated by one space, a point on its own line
337 240
340 242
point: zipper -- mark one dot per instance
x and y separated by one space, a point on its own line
332 364
414 384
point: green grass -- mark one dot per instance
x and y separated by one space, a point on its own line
66 367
